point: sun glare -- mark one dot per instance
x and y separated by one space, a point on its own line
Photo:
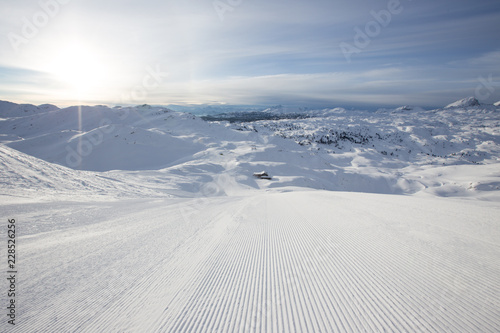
80 68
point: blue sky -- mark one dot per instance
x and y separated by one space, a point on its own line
319 53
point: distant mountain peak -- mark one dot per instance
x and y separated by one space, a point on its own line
48 107
466 102
405 108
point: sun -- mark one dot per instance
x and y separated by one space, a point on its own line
80 68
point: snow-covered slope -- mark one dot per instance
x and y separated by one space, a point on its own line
9 109
451 151
464 103
297 261
144 219
25 177
389 151
102 139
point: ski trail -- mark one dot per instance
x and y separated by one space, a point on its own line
273 262
117 269
291 269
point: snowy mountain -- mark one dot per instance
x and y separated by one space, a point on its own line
102 139
463 103
14 110
146 219
388 151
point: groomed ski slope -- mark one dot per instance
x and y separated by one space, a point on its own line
293 260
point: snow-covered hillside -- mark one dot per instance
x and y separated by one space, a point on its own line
451 151
464 103
143 219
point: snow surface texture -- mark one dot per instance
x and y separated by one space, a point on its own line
466 102
148 220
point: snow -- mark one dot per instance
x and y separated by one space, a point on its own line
143 219
466 102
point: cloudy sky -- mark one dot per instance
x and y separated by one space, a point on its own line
308 53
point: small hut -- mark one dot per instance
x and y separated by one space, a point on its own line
262 175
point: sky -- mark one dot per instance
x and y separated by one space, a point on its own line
350 53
